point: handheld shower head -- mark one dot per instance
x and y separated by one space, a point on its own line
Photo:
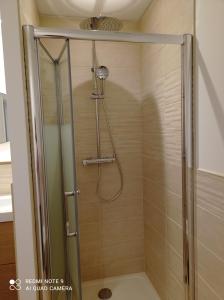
102 72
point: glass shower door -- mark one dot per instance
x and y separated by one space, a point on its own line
63 78
59 164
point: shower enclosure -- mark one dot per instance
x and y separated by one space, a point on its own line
61 112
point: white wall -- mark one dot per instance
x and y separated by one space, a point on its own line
210 84
18 135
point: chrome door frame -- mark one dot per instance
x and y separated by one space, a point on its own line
185 42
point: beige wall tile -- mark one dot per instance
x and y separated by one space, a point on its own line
175 289
204 290
174 236
174 263
125 266
115 221
162 187
105 228
210 268
210 191
166 201
158 282
209 228
118 252
116 232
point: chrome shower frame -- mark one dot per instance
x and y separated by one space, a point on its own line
185 42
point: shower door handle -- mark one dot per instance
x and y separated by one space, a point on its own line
67 195
68 233
72 193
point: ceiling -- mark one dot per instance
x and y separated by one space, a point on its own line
131 10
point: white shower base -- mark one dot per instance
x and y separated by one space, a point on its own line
128 287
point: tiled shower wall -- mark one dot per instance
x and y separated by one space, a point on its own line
162 147
209 98
111 233
209 229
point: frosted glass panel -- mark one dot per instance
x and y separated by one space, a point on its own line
69 169
59 170
54 181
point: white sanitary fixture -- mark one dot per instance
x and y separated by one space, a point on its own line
6 210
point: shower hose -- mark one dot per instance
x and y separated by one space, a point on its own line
117 161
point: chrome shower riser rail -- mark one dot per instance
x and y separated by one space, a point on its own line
100 35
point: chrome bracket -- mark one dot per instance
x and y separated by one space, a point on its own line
68 233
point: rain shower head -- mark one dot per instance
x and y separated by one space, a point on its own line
102 72
101 23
